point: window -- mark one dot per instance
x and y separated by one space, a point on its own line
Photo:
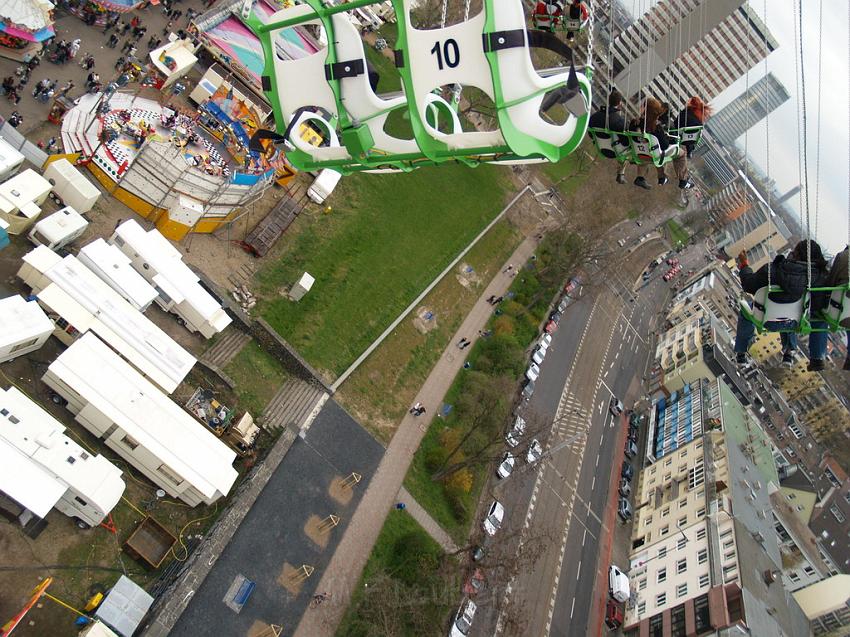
662 575
80 501
660 599
682 590
118 241
682 565
726 534
641 608
701 615
702 556
162 295
14 420
665 512
683 541
837 514
704 580
701 533
808 570
729 555
23 345
728 543
662 552
831 477
668 462
664 530
168 473
647 520
642 584
682 521
71 460
701 512
683 503
110 431
683 468
696 476
656 626
846 497
677 621
668 477
729 574
127 441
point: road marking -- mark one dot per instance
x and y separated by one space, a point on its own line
583 537
572 609
593 483
578 571
597 459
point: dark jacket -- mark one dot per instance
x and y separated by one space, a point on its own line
687 119
612 120
791 276
838 272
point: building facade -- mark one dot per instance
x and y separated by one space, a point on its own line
733 120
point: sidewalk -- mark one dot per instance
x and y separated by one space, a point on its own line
427 522
346 565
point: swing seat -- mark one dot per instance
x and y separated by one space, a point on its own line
688 134
837 313
574 24
765 310
610 144
646 149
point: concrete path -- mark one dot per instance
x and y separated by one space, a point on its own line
431 526
346 565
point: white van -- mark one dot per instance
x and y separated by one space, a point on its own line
618 584
324 185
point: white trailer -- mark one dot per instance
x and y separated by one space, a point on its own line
10 159
179 289
145 427
21 198
78 301
70 186
114 268
59 229
43 468
24 327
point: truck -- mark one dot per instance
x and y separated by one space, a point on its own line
59 229
324 185
70 186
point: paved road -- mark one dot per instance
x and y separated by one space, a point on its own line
559 508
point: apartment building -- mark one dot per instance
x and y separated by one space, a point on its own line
754 104
705 552
827 605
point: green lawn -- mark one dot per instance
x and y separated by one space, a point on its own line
405 586
678 235
258 376
386 239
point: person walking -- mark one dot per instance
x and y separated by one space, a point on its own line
113 40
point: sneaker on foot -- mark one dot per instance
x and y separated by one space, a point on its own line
640 182
816 365
621 179
741 358
685 184
662 181
788 358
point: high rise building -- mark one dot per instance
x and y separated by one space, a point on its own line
681 48
748 109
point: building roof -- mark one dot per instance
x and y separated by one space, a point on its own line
87 302
61 224
113 267
156 422
172 274
30 14
21 320
40 462
745 431
826 596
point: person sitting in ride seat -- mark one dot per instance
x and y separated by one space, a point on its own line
837 276
649 121
694 114
790 273
576 11
547 14
611 118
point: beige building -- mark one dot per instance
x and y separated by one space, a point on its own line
827 605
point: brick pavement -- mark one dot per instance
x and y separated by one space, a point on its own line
431 526
346 565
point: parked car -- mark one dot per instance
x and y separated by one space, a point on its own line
631 449
555 316
565 303
627 471
535 450
516 431
463 619
550 327
618 584
633 435
475 583
634 419
625 489
495 515
533 372
528 389
624 509
538 355
544 341
506 466
477 553
613 614
616 406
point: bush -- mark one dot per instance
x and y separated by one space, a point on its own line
503 325
413 553
501 354
460 482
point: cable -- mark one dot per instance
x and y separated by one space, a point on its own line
180 535
805 166
820 117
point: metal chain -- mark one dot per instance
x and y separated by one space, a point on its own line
820 117
767 169
591 13
804 167
445 10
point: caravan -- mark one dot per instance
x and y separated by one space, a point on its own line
59 229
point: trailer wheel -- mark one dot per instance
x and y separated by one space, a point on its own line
56 399
81 524
181 322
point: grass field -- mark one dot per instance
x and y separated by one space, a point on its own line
257 375
382 388
678 235
386 239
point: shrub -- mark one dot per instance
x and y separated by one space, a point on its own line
412 554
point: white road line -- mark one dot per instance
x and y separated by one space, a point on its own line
593 483
578 571
597 459
572 609
583 537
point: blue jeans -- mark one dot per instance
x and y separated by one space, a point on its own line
745 332
817 341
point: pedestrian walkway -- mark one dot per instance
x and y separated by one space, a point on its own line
343 572
428 523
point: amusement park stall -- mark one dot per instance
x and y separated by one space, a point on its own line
24 27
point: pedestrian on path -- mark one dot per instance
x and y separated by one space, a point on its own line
113 40
400 506
466 344
492 299
167 28
462 341
498 300
65 88
508 269
415 409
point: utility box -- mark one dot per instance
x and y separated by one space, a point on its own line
59 229
301 287
70 186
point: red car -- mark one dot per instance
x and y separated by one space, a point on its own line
613 614
475 583
550 327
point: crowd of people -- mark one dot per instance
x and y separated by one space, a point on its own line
655 119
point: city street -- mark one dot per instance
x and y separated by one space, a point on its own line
601 349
